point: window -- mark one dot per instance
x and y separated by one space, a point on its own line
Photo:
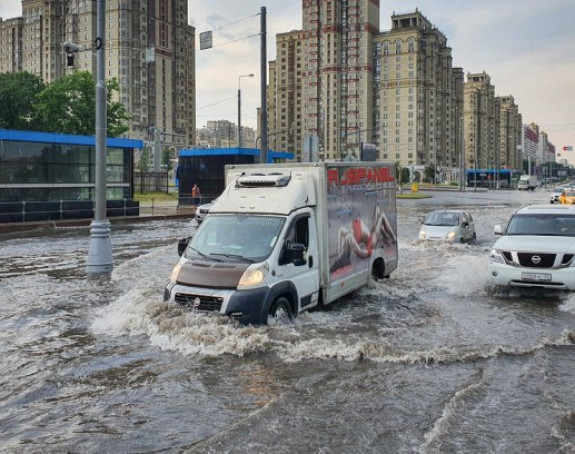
298 233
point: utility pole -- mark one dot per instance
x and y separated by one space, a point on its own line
100 253
263 87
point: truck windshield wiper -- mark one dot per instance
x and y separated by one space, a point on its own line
201 254
234 256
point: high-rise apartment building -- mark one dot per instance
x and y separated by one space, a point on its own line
479 122
285 93
337 74
418 96
341 82
149 48
509 132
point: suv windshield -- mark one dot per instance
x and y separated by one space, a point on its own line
244 238
542 225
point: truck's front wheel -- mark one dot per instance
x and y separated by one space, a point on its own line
280 312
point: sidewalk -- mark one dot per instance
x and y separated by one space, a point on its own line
149 210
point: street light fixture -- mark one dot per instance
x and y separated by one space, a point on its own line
240 109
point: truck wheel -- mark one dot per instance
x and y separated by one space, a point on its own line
280 312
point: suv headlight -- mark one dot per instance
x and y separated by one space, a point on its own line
451 235
422 234
496 256
254 275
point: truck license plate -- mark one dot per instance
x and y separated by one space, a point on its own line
536 276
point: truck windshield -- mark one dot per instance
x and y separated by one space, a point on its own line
236 237
542 225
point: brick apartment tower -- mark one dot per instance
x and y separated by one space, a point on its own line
150 49
337 77
479 122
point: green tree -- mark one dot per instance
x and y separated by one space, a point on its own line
404 175
18 93
430 173
167 159
145 159
72 101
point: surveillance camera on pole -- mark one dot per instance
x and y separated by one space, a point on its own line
71 48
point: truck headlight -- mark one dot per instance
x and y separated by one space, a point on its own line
175 273
254 275
422 235
496 256
450 235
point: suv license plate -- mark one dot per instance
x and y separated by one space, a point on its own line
536 276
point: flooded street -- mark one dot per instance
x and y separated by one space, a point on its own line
431 360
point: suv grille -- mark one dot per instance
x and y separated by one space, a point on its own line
204 303
526 260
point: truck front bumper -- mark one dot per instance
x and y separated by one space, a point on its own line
247 306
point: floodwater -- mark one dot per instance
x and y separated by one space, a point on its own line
431 360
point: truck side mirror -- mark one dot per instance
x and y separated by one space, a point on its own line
498 230
296 252
183 244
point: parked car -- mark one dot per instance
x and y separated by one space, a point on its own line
203 210
567 197
448 225
536 249
554 197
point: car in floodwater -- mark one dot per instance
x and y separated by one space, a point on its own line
203 210
536 249
453 226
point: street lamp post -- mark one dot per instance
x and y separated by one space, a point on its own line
100 253
240 109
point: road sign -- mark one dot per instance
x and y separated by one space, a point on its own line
205 40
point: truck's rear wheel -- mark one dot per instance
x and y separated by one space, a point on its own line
280 312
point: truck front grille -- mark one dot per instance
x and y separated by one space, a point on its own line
200 302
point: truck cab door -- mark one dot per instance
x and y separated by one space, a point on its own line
305 275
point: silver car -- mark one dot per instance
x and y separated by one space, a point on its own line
454 226
203 210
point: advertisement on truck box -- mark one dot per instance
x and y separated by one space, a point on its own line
361 218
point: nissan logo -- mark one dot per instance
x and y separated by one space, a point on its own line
536 259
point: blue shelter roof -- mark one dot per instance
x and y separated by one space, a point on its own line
68 139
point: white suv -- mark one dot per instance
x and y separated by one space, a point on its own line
536 249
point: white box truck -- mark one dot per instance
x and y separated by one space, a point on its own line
284 238
527 182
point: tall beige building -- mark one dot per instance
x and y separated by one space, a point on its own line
150 49
285 93
479 122
510 129
418 96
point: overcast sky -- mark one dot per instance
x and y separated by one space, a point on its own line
526 47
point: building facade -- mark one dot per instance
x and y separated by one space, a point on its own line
338 74
509 132
47 167
340 83
418 94
149 46
479 122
